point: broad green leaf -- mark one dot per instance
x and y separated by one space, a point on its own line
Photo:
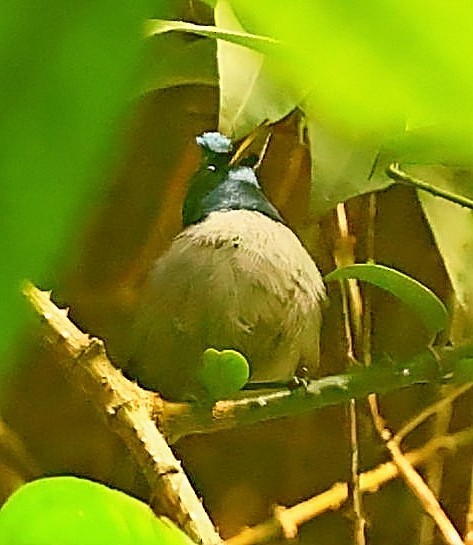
74 511
371 64
67 74
223 372
452 228
249 95
343 166
435 144
420 298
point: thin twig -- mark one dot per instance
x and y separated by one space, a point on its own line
351 298
357 500
424 495
395 173
246 143
334 497
430 411
367 356
434 471
345 255
262 153
418 486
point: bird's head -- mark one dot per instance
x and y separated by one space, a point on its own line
215 144
220 186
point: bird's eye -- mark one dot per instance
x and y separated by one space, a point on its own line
213 168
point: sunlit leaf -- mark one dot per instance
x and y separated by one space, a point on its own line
370 65
246 39
74 511
417 296
435 144
463 370
249 94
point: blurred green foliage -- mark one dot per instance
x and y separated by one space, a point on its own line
356 71
75 511
67 75
368 65
360 73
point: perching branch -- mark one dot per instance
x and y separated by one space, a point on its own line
176 420
131 412
128 411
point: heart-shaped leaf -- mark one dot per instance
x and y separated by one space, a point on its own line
223 372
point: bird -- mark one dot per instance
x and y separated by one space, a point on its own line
236 277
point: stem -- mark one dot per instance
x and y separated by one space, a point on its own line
395 173
351 300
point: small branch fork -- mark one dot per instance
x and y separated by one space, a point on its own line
333 498
361 336
418 486
132 413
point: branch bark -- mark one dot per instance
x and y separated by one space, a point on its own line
128 411
133 413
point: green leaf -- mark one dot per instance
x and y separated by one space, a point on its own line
67 75
360 77
74 511
343 166
420 298
245 39
452 228
249 94
223 373
434 144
